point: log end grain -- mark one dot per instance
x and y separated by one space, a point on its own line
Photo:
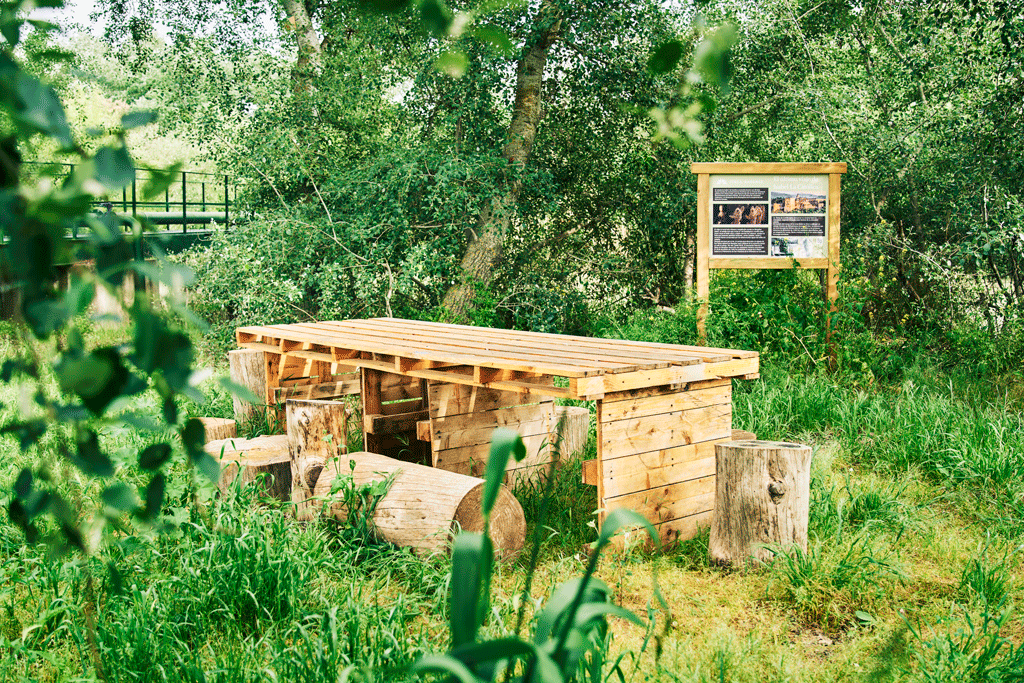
508 523
217 428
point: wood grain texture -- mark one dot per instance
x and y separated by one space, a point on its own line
767 168
248 369
217 428
762 499
621 407
263 458
317 431
627 437
424 506
703 256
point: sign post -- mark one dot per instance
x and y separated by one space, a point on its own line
783 215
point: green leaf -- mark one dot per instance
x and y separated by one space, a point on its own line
488 33
28 432
137 119
154 456
97 377
90 459
711 57
562 598
114 167
472 556
42 110
193 435
120 497
621 518
665 58
453 63
155 495
505 443
435 17
160 180
242 392
491 650
444 664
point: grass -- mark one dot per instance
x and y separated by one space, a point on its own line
913 572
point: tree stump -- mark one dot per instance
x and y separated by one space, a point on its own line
424 506
249 369
575 432
762 498
262 458
317 431
217 428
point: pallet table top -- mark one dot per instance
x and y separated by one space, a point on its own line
500 359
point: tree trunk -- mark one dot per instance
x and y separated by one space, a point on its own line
308 42
424 506
484 251
317 432
249 369
762 498
246 460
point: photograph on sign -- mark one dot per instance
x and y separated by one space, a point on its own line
769 215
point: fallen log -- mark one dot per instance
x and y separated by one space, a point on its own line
263 458
424 506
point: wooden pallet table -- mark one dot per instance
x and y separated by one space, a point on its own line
435 392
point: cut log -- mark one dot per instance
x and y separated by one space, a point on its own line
575 430
317 431
249 369
262 458
741 435
217 428
762 500
424 506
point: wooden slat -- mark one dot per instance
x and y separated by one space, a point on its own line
458 399
591 386
459 459
423 430
445 440
343 335
392 424
700 352
509 416
627 437
648 404
590 472
407 405
436 352
684 528
475 342
554 346
767 168
767 263
318 391
669 502
457 378
655 469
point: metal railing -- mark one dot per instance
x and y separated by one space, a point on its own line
193 198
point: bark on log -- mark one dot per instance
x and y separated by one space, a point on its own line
575 431
217 428
762 498
246 460
317 431
249 369
424 505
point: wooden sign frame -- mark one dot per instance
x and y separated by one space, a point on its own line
705 262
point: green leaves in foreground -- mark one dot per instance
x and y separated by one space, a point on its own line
571 634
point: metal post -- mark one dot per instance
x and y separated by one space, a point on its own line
226 217
184 203
204 195
135 203
124 199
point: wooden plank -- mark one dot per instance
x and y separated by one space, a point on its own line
701 352
768 263
644 392
423 430
834 264
372 405
319 391
684 528
458 399
627 437
392 424
456 378
442 351
667 376
555 346
472 459
703 255
407 405
667 402
669 502
590 472
508 416
333 335
767 168
445 440
654 469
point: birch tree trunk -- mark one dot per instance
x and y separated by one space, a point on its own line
484 251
